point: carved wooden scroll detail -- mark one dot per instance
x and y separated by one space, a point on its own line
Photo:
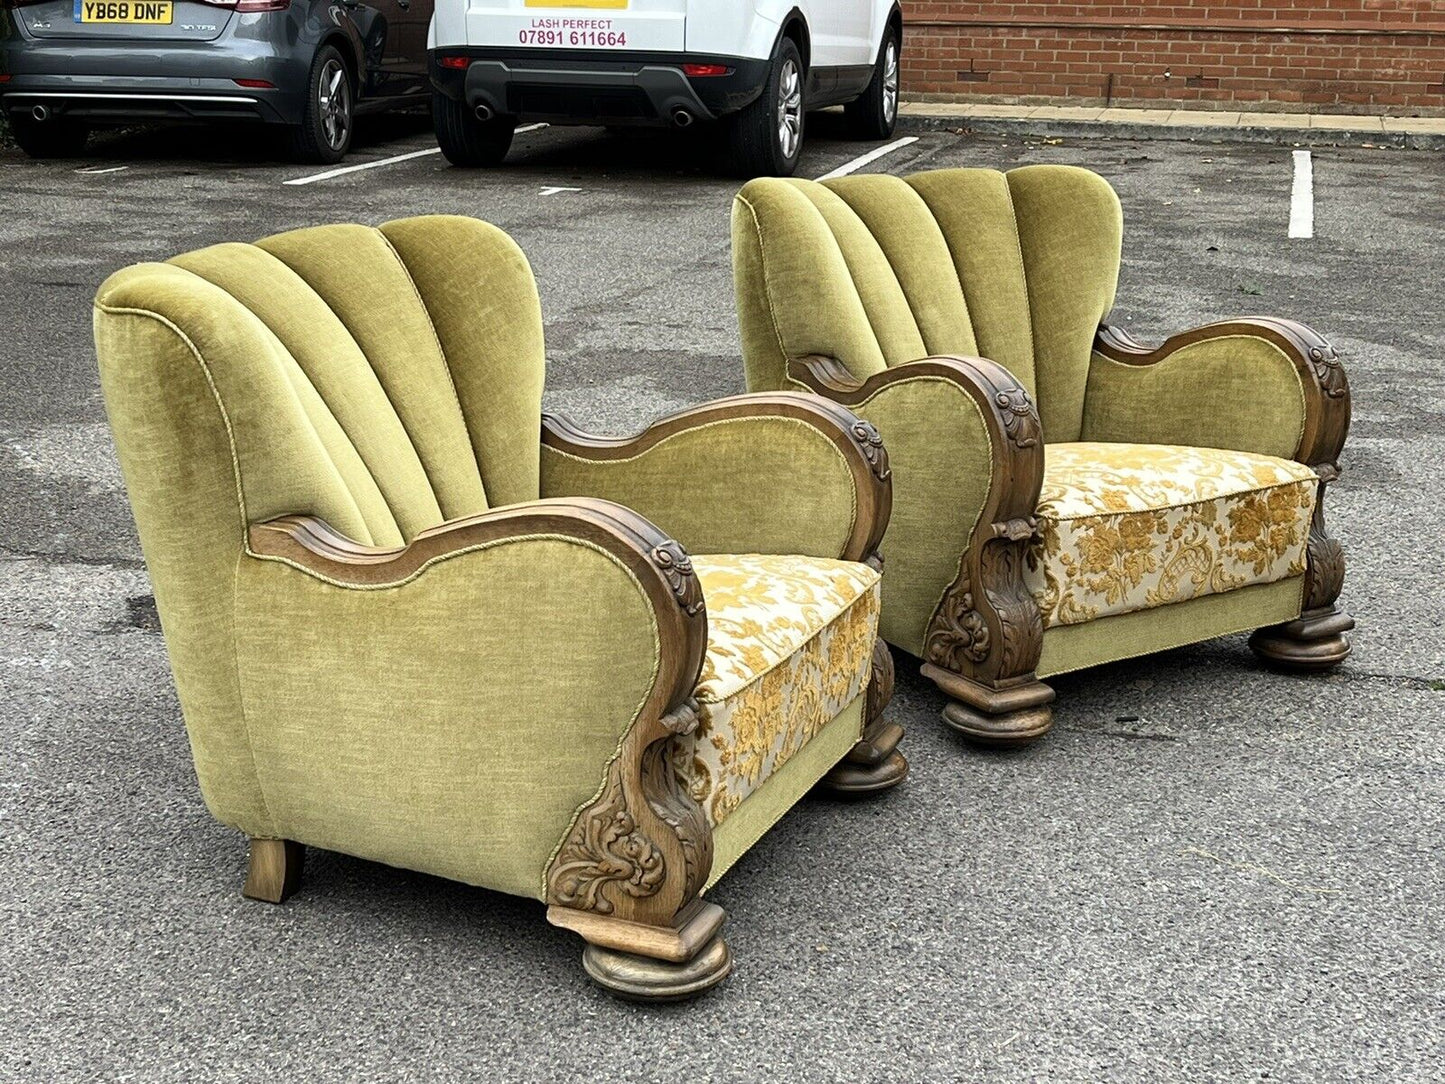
868 439
644 834
988 627
676 567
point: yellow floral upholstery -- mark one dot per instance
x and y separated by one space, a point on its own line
790 645
1128 527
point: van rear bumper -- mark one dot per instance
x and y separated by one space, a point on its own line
585 87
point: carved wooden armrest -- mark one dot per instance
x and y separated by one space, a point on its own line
987 632
1322 431
1326 418
627 480
638 856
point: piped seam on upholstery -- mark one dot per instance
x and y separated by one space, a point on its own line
116 310
803 644
805 426
1095 355
1156 650
1312 481
767 287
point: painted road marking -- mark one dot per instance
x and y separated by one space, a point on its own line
92 171
553 189
342 171
863 159
1302 197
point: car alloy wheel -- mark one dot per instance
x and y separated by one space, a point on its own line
890 82
790 109
333 97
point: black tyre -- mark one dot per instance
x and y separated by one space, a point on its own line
465 140
767 136
874 113
324 134
56 138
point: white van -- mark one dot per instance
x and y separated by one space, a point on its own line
753 66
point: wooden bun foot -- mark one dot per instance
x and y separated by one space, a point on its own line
642 978
1316 640
1002 718
873 765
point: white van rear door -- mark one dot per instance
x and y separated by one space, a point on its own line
564 25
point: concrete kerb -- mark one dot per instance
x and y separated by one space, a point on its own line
1239 132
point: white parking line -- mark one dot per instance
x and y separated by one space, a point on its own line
1302 197
91 171
863 159
343 170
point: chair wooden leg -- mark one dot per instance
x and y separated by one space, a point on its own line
1316 640
874 764
1008 717
275 870
637 962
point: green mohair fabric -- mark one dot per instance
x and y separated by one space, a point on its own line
178 472
741 485
453 724
785 788
878 271
939 451
1070 230
1123 636
1240 392
482 299
244 382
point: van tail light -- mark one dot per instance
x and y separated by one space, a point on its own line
696 71
455 63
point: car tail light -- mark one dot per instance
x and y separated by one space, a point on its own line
255 84
698 70
456 63
247 5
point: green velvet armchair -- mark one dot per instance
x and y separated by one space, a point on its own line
1063 495
414 619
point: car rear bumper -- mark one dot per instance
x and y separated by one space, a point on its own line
588 87
110 84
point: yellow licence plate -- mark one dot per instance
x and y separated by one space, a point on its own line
123 11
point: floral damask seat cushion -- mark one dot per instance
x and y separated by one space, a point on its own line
790 646
1126 527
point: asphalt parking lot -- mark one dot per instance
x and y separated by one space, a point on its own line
1207 872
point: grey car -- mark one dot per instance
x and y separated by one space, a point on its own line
67 66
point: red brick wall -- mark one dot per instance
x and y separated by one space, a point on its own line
1346 56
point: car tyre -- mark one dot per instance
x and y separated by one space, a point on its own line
56 138
766 137
874 113
467 141
324 135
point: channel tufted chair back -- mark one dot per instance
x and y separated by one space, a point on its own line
876 271
385 380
